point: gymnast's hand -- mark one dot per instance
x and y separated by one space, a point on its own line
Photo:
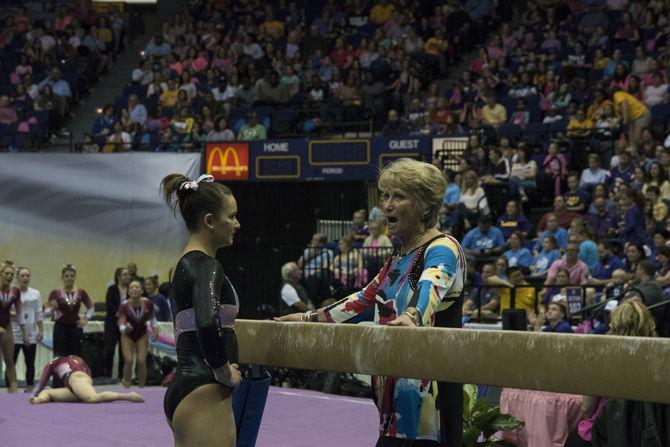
290 317
228 375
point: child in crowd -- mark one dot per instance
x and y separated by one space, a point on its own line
541 263
558 291
521 117
359 229
616 288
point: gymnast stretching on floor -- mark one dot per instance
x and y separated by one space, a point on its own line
76 375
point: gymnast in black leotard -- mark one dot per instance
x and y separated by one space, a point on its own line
204 306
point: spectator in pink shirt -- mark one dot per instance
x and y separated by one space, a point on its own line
7 114
22 68
579 271
21 20
555 165
63 20
496 49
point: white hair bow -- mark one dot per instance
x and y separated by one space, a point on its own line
193 184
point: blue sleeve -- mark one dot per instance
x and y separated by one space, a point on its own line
630 221
437 278
523 224
143 113
525 259
499 239
452 196
538 244
467 240
97 126
564 327
619 264
562 237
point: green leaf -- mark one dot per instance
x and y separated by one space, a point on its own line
469 398
470 436
505 422
483 413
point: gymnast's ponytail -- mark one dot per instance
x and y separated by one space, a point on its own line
194 198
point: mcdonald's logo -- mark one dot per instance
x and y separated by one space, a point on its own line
228 161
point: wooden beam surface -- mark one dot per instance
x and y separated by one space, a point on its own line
627 367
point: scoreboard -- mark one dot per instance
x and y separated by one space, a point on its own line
301 160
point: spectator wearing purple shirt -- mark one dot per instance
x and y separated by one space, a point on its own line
513 221
624 171
632 224
608 263
604 221
575 199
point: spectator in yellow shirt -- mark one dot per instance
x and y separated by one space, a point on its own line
434 49
633 112
493 114
271 27
580 126
169 97
524 293
597 107
381 12
105 33
182 124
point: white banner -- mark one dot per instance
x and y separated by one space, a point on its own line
94 211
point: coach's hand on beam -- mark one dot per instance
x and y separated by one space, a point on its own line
410 317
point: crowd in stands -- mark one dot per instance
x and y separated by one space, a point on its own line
567 109
223 70
46 64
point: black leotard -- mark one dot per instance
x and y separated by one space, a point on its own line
203 294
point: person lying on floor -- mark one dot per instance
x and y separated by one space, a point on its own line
76 375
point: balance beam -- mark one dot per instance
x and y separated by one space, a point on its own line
626 367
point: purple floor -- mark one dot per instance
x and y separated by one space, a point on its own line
293 418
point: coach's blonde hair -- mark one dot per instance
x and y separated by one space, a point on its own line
632 318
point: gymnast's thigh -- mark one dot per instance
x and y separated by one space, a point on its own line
205 417
81 385
61 395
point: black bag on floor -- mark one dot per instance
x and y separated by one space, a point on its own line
92 345
154 373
